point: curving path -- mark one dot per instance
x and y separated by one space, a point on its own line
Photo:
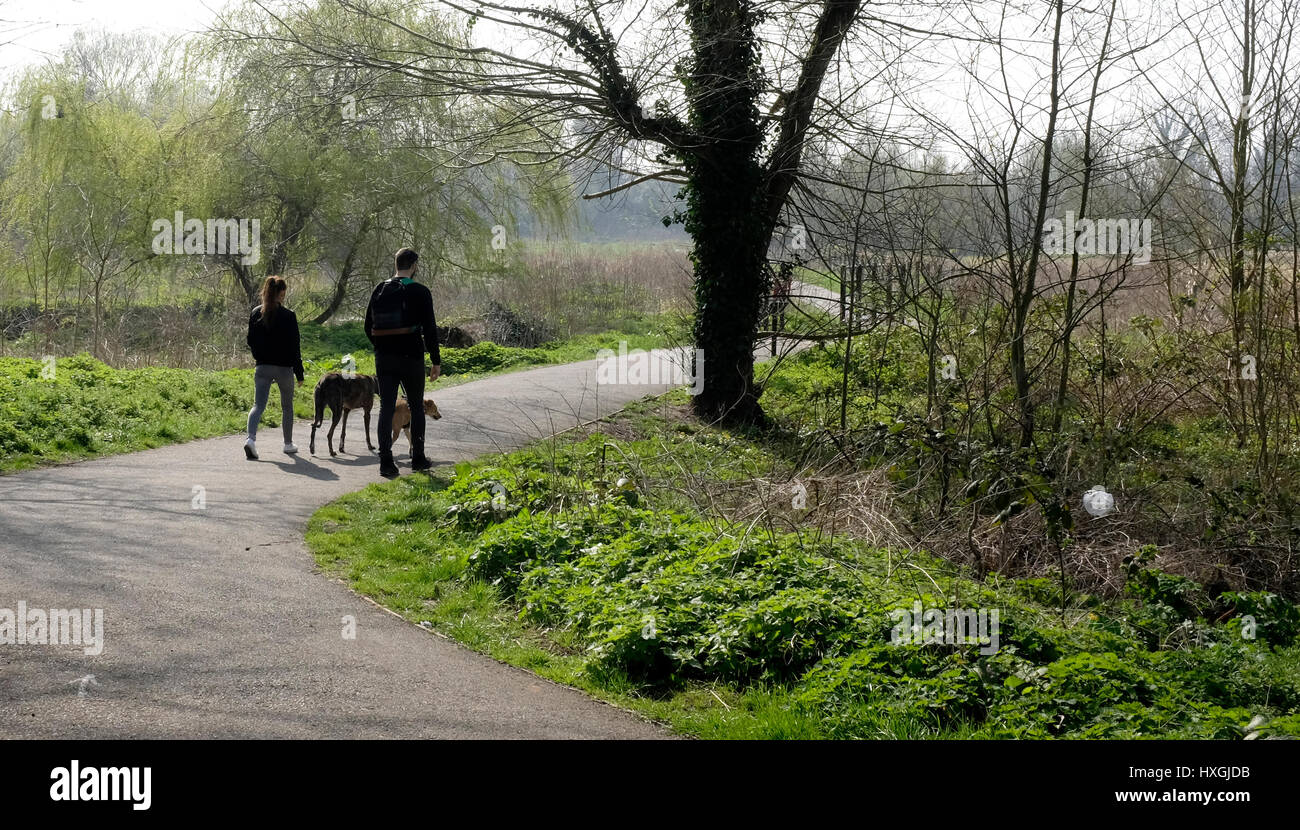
217 624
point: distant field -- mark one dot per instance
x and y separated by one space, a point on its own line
185 315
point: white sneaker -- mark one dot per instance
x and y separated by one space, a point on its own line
250 449
290 449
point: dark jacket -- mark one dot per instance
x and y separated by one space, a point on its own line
419 309
277 345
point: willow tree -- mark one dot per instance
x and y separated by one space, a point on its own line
685 84
346 163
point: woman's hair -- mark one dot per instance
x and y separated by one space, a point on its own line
271 291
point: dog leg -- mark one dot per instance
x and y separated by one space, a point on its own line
330 438
344 436
319 400
369 445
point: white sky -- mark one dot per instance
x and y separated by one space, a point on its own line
41 27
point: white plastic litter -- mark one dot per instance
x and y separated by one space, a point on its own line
1098 502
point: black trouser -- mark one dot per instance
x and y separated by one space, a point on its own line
392 370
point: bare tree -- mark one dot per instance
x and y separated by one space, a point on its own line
599 63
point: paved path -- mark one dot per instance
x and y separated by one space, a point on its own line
815 295
217 624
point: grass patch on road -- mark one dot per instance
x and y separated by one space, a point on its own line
660 564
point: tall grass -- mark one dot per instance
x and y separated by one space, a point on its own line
182 320
578 289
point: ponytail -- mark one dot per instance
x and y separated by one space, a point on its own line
271 290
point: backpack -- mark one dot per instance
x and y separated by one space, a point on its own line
388 307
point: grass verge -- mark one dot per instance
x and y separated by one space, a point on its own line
661 565
80 408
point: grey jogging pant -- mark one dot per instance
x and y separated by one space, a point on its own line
263 376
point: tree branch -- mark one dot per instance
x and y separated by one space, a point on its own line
834 21
661 175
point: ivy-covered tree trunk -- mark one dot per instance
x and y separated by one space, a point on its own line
726 205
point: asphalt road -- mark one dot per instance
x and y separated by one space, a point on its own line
216 621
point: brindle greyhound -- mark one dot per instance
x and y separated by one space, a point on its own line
342 395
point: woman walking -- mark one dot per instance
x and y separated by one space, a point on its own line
273 339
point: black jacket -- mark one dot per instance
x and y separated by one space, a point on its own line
415 344
277 345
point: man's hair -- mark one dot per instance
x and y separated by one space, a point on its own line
405 259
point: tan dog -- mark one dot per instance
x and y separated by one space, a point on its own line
402 416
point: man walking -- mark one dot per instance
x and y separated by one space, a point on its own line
401 325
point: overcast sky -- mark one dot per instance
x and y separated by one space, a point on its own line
40 28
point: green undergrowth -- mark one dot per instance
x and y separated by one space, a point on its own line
606 561
84 408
